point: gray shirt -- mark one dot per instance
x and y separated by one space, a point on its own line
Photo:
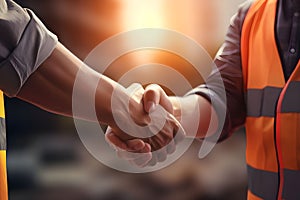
229 66
24 44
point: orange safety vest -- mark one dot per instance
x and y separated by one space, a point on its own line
3 176
273 109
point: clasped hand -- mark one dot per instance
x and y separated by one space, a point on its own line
155 131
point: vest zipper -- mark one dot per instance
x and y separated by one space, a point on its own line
277 134
278 149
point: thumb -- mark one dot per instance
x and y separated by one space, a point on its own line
155 95
114 141
151 97
130 145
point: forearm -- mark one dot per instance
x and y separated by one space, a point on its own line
51 86
196 115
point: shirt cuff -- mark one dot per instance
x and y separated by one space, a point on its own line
34 47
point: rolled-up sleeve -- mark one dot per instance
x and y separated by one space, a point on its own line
25 43
228 98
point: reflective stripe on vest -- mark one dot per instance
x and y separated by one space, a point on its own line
273 109
263 101
2 124
265 184
2 134
3 176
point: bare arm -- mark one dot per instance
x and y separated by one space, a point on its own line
196 115
51 86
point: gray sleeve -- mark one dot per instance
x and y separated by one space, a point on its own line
228 65
24 44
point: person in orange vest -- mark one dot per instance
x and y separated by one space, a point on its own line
37 68
260 68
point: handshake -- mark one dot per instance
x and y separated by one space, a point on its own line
146 128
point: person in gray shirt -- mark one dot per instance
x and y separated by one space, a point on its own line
37 68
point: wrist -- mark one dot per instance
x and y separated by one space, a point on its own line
106 90
186 111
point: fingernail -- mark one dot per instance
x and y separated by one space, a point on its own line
137 147
151 105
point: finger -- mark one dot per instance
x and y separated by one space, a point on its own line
154 142
151 97
137 158
171 147
160 140
165 102
135 144
158 96
143 160
131 156
153 160
161 155
114 140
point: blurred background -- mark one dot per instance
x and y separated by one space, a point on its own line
46 159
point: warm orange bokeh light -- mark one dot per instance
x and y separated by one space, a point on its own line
143 14
200 20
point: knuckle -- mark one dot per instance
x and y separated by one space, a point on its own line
150 94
